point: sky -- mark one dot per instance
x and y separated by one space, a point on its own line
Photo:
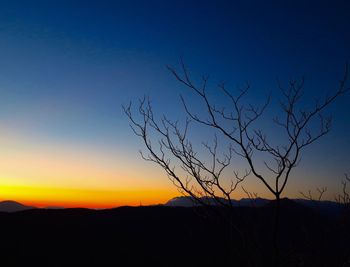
67 67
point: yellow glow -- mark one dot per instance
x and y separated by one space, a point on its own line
45 196
46 173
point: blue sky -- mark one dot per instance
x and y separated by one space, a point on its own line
68 66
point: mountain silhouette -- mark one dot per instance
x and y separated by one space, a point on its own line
13 206
187 201
326 207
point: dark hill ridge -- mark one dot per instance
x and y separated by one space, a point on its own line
286 203
157 235
326 207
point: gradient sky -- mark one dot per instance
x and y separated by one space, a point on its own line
68 66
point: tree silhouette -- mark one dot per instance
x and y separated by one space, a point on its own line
235 123
310 197
175 153
344 196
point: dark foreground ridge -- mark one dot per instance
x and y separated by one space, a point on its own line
161 235
328 208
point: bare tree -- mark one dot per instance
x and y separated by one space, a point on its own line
344 197
235 123
309 195
174 151
245 140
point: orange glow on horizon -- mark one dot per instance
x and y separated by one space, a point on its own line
42 172
84 198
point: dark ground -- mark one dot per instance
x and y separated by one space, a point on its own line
149 236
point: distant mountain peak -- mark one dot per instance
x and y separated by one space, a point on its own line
181 201
13 206
187 201
326 207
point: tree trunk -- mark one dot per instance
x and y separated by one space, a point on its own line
276 224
